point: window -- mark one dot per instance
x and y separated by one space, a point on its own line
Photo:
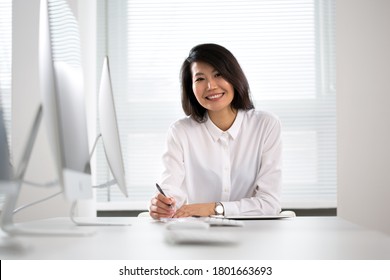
286 49
5 61
5 66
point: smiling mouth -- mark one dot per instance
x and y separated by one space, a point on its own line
215 96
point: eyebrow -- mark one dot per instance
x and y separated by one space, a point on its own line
202 74
198 74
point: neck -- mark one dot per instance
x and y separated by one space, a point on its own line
223 119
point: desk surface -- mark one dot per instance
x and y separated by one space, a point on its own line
300 238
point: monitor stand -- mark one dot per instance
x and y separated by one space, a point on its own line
9 244
88 222
104 185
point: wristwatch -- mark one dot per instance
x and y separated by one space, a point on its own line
219 209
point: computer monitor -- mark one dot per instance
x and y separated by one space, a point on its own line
6 171
109 133
61 88
12 177
63 110
65 116
109 128
62 91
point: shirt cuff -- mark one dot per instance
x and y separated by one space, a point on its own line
230 208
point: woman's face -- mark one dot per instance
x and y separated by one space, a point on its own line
211 90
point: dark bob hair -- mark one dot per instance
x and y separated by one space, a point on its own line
227 65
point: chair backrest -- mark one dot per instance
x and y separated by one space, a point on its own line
144 214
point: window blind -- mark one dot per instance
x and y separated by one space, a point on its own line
64 33
286 49
5 62
5 68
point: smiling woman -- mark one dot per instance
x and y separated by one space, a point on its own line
208 170
212 73
213 93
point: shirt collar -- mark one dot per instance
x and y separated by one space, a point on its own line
233 131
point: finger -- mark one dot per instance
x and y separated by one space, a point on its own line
153 201
157 215
154 215
164 199
159 207
164 202
164 207
162 211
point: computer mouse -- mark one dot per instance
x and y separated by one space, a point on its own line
192 225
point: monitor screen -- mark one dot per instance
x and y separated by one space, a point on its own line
62 91
64 109
109 128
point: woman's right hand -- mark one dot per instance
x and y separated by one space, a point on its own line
162 207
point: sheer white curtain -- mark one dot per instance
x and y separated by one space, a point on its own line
286 49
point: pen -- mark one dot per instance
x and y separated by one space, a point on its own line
161 191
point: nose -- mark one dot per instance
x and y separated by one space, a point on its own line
211 84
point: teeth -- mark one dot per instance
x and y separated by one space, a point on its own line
214 96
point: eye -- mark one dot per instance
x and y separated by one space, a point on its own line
217 75
199 79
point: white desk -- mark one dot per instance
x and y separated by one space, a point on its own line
301 238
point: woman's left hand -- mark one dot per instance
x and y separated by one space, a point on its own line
200 209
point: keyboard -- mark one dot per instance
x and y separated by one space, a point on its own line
202 237
213 221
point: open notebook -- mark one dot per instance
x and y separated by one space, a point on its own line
282 215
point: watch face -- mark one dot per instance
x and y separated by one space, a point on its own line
219 209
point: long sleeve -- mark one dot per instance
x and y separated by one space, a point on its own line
174 171
267 191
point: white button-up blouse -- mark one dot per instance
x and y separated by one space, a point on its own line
240 167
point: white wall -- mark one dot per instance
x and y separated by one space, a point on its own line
26 99
363 101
